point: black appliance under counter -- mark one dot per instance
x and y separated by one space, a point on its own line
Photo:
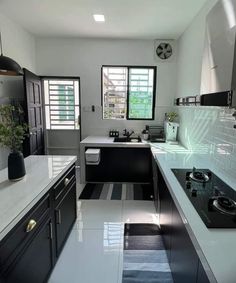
214 200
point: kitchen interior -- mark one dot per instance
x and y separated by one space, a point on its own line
117 141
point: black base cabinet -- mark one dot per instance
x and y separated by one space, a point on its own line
184 259
36 262
65 214
184 262
166 205
29 251
119 164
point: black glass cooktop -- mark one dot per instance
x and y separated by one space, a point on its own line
214 200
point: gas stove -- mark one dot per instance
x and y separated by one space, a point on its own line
214 201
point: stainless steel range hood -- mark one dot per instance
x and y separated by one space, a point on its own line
218 77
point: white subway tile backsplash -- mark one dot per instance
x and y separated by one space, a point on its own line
210 130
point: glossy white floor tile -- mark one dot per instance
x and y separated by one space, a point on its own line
139 212
89 256
95 214
94 250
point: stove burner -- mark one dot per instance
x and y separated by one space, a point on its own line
198 176
225 205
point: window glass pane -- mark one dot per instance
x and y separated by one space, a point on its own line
116 89
141 93
61 103
114 92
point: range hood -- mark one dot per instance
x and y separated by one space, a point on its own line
218 78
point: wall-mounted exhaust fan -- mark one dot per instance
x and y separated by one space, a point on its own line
164 50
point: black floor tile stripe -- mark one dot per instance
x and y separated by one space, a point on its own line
97 190
138 192
87 191
100 191
139 239
116 192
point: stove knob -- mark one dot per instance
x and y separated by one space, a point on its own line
187 176
188 185
194 193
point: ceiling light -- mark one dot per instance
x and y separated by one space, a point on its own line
99 18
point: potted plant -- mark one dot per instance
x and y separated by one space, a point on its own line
171 116
12 134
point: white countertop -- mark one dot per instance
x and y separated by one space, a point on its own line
109 142
215 247
17 198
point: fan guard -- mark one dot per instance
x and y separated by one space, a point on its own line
164 51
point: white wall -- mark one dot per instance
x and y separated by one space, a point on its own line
84 58
20 46
17 43
203 129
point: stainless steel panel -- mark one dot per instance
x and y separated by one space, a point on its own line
218 57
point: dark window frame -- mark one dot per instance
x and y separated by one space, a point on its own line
127 103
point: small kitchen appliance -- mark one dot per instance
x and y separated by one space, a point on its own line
214 200
171 130
92 156
156 133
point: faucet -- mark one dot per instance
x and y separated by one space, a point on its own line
127 134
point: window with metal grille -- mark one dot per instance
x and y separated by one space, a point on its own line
128 92
61 98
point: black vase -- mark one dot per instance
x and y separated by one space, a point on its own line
16 166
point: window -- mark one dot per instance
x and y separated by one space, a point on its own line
128 92
61 98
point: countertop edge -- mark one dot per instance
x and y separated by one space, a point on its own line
192 236
25 210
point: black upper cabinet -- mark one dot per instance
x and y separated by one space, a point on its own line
34 143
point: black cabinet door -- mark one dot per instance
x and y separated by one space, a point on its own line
155 185
165 213
119 164
35 263
201 275
184 259
65 216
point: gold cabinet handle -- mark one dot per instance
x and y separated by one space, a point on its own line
31 225
66 181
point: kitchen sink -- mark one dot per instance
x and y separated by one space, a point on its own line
126 139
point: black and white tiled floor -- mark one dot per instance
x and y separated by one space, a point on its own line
94 250
117 191
145 258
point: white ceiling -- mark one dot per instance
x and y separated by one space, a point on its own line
144 19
